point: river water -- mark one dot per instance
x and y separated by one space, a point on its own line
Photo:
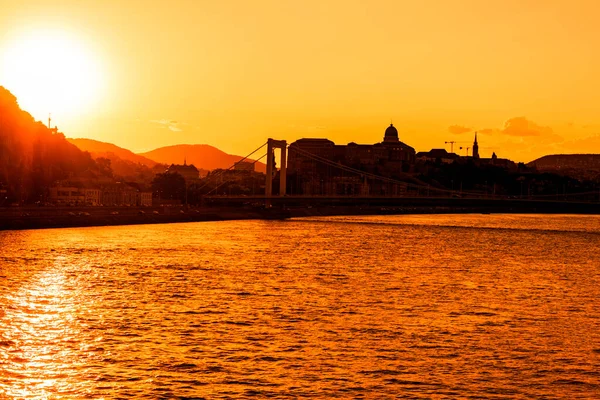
433 306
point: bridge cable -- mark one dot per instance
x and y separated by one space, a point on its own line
222 171
380 178
426 186
222 183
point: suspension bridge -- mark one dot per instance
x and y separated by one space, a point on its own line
334 182
309 184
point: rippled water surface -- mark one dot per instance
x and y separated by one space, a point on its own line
439 306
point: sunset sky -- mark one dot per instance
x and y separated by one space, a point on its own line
145 74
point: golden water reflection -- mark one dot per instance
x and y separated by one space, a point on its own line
373 307
41 351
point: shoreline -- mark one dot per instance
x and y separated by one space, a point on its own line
21 218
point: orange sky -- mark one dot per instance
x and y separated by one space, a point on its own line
232 73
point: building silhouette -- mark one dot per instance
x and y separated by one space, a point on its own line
475 148
307 174
437 155
189 172
96 194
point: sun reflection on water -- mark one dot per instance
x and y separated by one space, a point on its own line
38 337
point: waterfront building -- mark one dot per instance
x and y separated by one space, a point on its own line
437 155
144 199
67 195
111 195
308 174
119 194
72 195
189 172
92 196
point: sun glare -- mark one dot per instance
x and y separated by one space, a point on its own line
51 72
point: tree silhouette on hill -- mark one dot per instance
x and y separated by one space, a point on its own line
32 156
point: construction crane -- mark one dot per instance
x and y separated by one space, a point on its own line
452 143
451 146
467 149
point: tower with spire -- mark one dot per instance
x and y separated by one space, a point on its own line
475 148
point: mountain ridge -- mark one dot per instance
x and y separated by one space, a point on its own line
557 161
578 166
202 156
103 149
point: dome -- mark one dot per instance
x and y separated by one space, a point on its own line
391 134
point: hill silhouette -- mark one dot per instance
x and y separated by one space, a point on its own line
561 161
579 166
33 157
202 156
124 164
109 150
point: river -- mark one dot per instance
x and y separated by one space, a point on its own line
428 306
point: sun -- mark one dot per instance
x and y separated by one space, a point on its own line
51 72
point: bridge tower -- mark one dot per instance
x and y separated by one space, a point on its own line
273 144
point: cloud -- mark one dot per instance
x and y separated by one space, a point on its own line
521 126
169 124
521 139
458 129
521 129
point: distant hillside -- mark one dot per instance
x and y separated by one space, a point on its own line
102 149
125 165
580 166
202 156
566 161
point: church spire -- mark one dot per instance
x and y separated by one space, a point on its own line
475 148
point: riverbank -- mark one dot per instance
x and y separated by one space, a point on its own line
61 217
64 217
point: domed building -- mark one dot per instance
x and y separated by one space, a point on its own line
389 158
397 151
391 134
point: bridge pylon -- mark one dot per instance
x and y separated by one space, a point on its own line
273 144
